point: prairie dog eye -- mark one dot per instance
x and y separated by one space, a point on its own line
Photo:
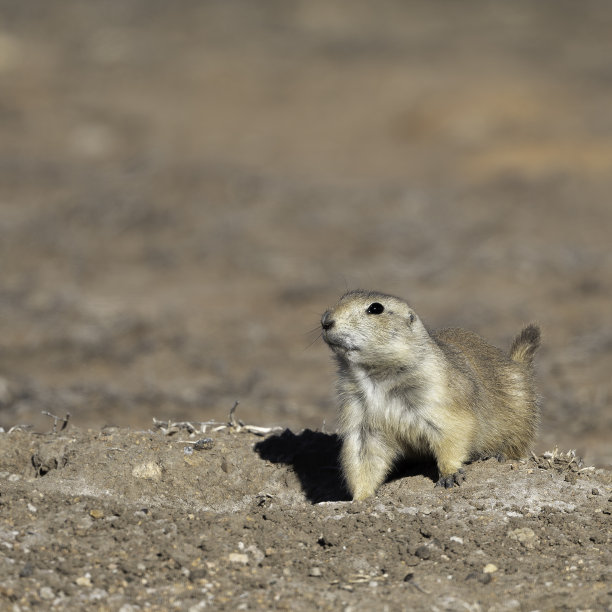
375 308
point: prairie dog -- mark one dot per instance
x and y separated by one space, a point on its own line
406 391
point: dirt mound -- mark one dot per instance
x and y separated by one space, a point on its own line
125 520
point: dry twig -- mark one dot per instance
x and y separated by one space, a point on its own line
171 427
22 427
57 419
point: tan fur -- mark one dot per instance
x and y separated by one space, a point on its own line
406 392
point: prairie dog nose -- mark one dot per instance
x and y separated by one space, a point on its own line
326 320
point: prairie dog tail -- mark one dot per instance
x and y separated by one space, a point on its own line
525 345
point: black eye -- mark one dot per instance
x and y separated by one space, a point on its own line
375 308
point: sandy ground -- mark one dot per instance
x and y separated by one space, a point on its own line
121 520
185 188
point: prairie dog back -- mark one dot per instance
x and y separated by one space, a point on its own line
404 391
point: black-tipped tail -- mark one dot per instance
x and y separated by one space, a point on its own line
525 345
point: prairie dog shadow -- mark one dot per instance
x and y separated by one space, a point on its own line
314 456
315 459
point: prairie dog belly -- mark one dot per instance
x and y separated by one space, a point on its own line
410 421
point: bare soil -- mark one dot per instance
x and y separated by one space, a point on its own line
116 519
185 187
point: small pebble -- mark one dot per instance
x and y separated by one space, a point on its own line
490 568
198 574
594 491
46 593
84 580
147 471
204 444
26 571
238 558
98 595
96 514
423 552
84 523
314 571
525 536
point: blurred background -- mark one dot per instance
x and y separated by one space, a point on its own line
186 186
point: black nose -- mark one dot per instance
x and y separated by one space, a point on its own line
326 320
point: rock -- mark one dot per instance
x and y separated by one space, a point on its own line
84 581
204 444
258 555
525 536
200 573
46 593
148 471
314 571
98 595
238 558
481 577
26 571
84 523
490 568
423 552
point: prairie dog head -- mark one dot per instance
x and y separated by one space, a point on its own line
374 330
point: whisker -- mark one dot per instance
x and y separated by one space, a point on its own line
320 335
345 282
